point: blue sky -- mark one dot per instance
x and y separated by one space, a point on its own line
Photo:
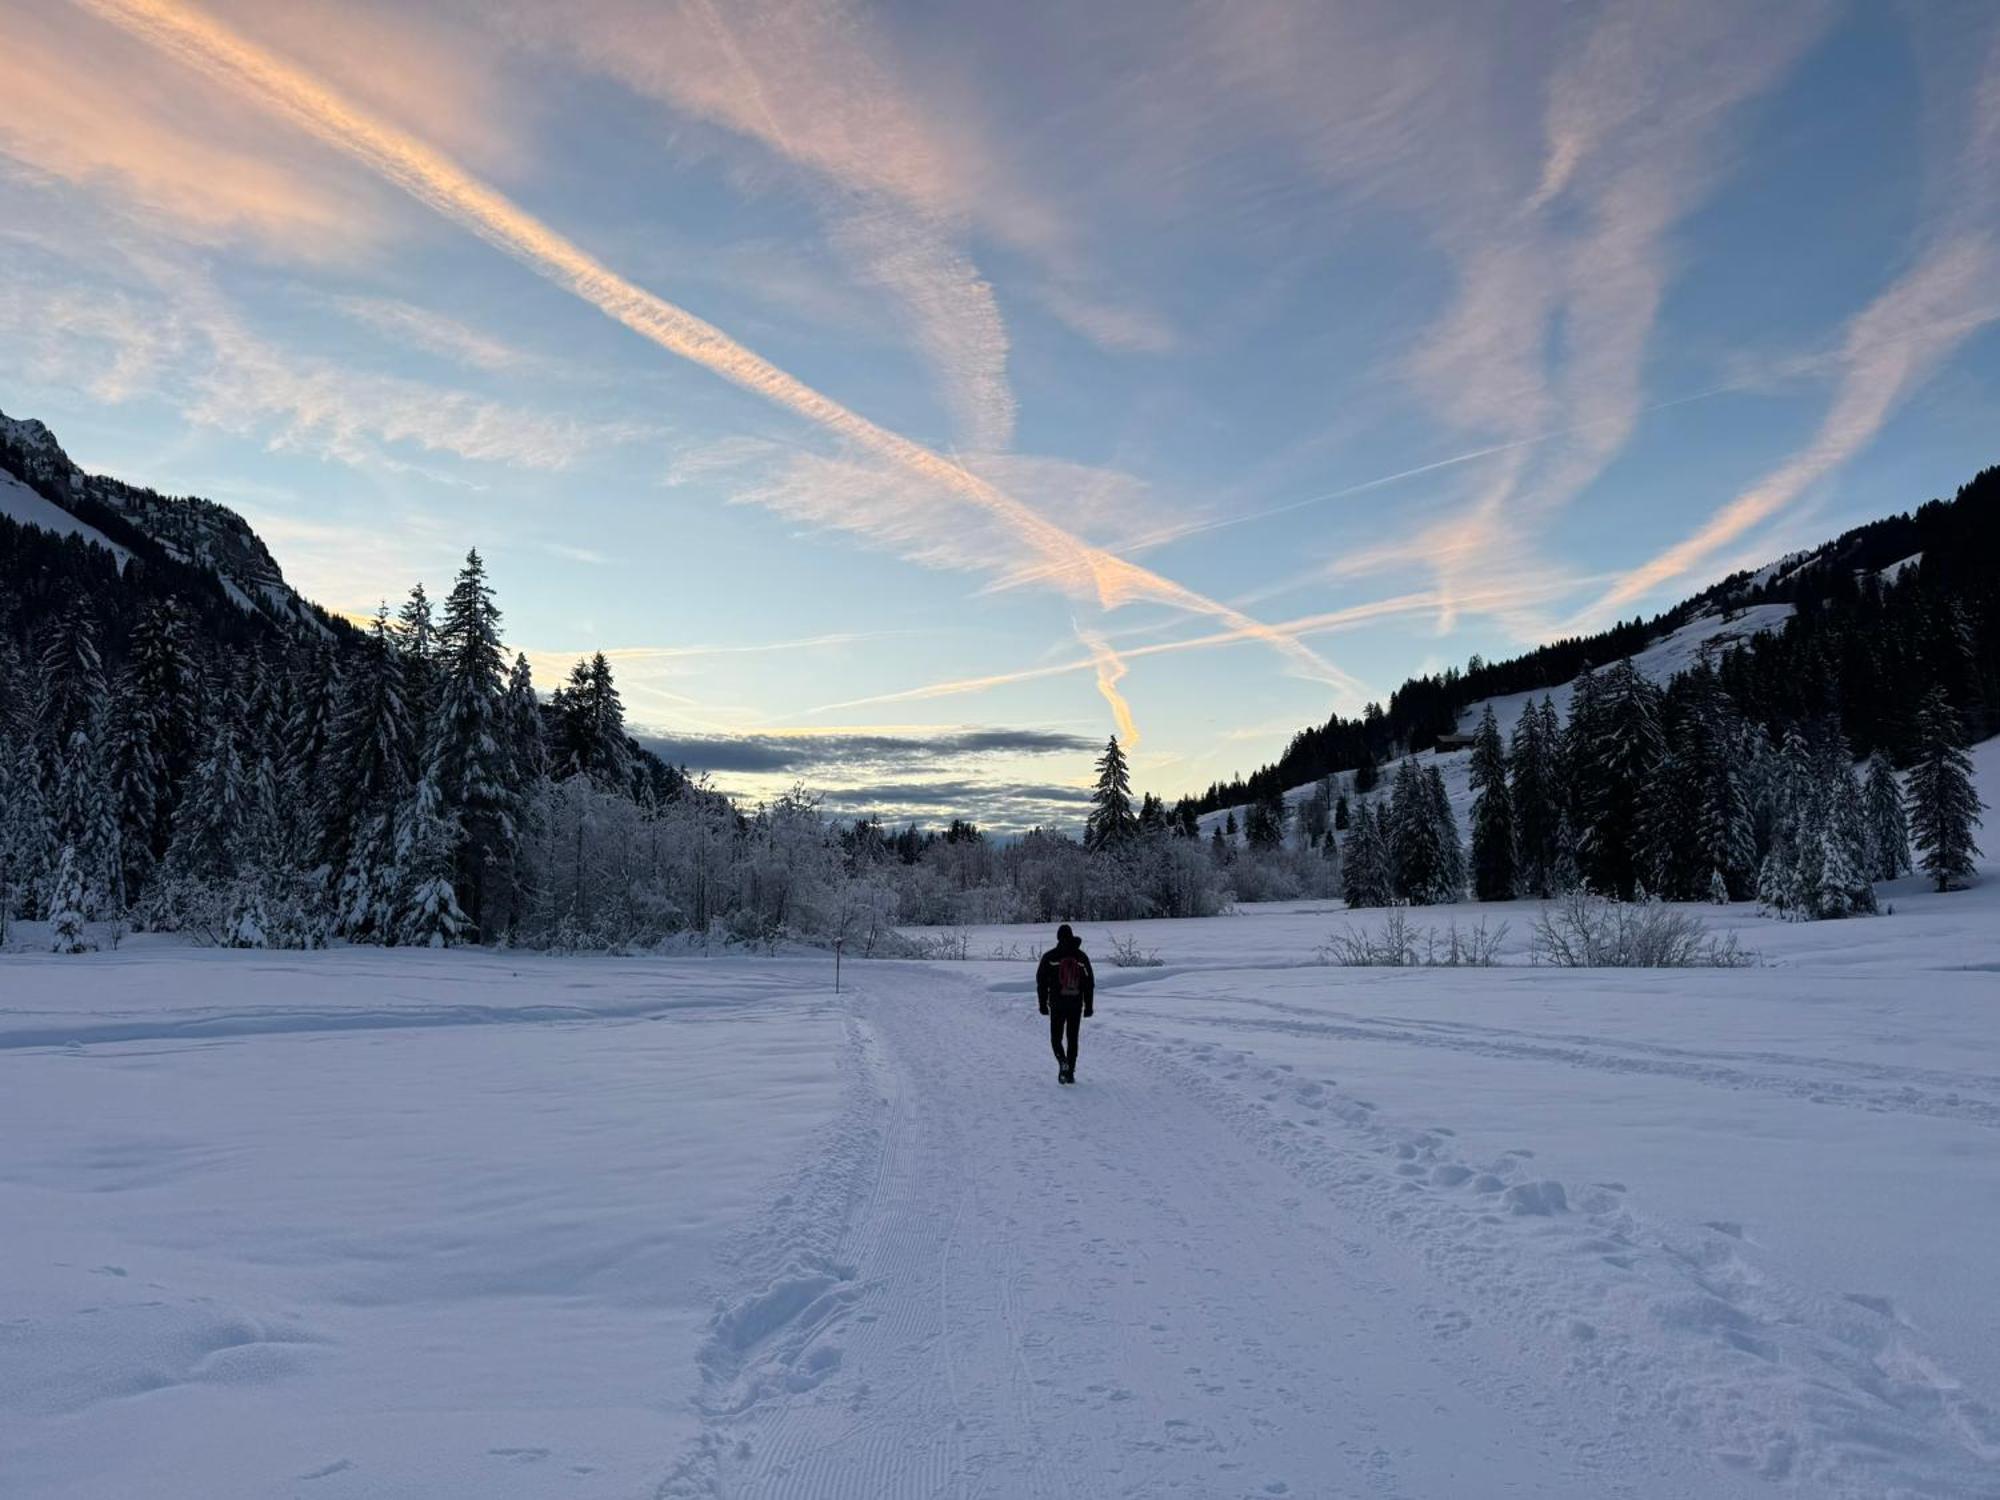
907 396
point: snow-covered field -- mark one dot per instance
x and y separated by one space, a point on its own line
374 1224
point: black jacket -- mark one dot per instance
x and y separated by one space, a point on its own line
1048 976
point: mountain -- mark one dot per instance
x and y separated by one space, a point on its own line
41 486
1859 627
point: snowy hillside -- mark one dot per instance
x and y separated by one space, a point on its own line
19 503
191 530
1705 638
478 1226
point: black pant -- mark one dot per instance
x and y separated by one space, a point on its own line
1065 1020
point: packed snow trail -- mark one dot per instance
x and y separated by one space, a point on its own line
1108 1290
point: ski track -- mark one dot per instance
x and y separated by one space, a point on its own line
1162 1283
1967 1097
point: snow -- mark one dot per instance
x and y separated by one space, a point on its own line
20 503
358 1223
1896 569
1707 636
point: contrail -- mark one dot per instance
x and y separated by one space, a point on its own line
1109 669
1332 620
434 180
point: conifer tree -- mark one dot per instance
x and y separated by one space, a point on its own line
1343 816
428 914
1620 748
417 644
1421 864
208 834
1888 825
1493 870
1452 873
158 734
524 721
28 850
1944 809
85 824
1110 819
1264 828
590 726
71 688
468 761
67 931
1366 878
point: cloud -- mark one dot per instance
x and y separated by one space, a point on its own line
813 82
83 107
1560 250
858 752
442 185
1951 292
1889 349
146 325
434 333
1110 669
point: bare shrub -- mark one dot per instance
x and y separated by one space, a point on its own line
1127 954
955 946
1584 931
1398 943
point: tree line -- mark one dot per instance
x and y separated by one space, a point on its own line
1863 643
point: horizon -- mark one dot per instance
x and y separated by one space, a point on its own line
980 408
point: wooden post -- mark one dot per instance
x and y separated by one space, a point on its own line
837 945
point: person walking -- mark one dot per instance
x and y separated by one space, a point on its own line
1064 987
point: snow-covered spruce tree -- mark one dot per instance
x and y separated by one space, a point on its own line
303 754
202 860
1835 871
85 822
1621 751
1422 866
28 848
1887 824
590 727
427 838
158 736
1110 820
1264 826
1453 874
1944 809
1817 865
71 688
1534 798
1343 815
1365 876
67 930
524 724
371 767
136 782
1493 870
468 760
1787 792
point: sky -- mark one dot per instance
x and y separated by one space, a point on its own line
907 396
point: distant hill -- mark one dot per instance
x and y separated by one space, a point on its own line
1861 626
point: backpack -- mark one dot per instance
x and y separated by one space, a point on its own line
1069 976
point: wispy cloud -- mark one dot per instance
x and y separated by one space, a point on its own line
1890 348
447 188
1110 670
81 107
155 326
434 333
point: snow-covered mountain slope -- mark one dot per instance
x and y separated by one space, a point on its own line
197 532
1706 637
19 503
